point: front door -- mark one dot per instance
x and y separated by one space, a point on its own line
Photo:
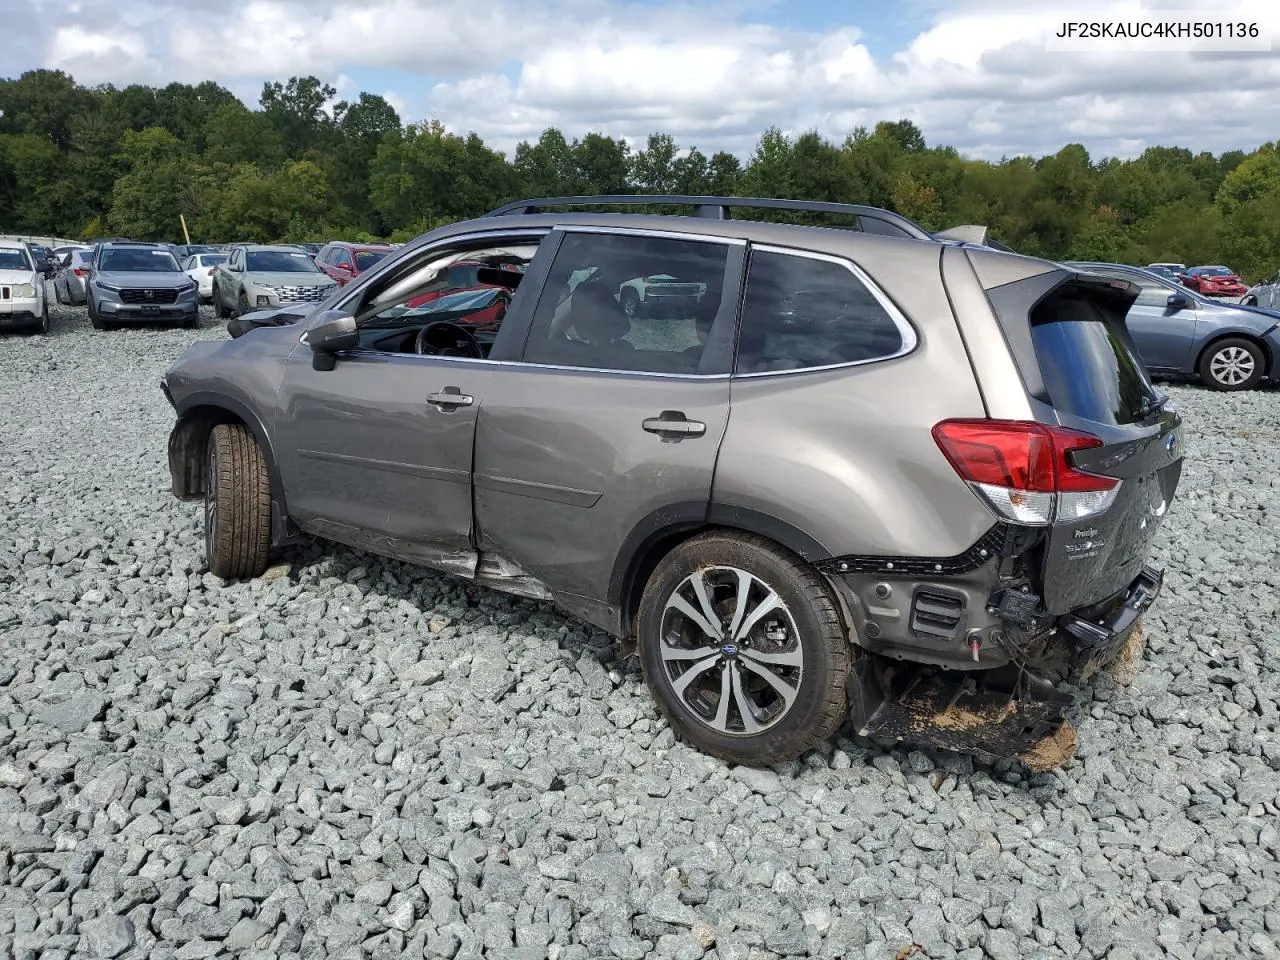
1163 334
377 451
613 417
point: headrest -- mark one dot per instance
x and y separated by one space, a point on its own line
596 315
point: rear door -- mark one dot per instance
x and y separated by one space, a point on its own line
1095 384
609 422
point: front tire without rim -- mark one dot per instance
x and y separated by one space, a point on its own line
237 504
744 649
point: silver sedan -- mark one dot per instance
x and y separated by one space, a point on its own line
1264 293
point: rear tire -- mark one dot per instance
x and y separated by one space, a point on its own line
1232 363
787 669
237 504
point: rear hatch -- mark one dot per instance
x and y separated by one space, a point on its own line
1082 371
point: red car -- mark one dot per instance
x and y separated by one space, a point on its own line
464 277
345 261
1214 282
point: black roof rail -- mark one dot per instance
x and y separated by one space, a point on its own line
871 219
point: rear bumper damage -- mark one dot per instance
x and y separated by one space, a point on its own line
1007 711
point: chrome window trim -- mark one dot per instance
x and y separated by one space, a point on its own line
540 366
657 234
910 339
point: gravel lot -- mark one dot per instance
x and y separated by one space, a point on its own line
360 758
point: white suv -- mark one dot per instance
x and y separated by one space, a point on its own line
23 304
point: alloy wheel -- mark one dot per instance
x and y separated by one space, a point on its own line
731 650
1231 366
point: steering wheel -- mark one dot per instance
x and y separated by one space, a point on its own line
421 344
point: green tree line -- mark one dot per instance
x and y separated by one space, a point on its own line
98 161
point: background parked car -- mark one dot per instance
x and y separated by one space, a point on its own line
62 255
345 261
1215 281
1170 271
200 268
1264 293
139 282
259 276
1179 331
23 305
69 282
184 251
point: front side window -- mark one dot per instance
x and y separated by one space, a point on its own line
801 312
440 305
280 261
628 302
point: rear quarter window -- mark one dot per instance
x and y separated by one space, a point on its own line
802 311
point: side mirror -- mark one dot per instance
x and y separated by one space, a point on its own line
1179 301
335 331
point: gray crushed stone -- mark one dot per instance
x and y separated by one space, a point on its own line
356 758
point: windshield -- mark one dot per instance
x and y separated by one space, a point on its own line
1213 271
367 258
280 261
14 260
137 260
211 259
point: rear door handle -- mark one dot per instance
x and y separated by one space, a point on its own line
673 426
450 398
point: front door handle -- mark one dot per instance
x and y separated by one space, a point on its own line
450 398
673 426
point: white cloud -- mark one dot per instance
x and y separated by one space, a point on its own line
975 74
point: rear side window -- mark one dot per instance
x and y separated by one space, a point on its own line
1088 367
801 311
629 302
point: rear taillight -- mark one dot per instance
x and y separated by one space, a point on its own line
78 272
1023 470
211 271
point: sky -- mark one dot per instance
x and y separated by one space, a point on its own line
973 74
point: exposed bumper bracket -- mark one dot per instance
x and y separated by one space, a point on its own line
1099 638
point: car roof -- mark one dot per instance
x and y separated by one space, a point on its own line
132 243
262 247
13 244
361 247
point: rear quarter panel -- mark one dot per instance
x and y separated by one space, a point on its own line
846 455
